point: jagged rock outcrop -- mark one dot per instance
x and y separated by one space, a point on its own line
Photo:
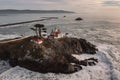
53 55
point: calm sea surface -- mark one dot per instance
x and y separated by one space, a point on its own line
97 28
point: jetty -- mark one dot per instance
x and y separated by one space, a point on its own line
10 24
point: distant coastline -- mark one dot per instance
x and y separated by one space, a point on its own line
14 11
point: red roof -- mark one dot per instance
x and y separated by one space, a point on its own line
37 40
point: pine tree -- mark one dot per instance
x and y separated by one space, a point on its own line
39 28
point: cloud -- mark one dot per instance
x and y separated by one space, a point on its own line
111 3
72 5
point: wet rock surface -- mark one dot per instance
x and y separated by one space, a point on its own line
53 55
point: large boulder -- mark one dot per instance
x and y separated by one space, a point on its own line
53 55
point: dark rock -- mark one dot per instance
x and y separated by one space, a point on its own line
53 55
90 62
78 19
64 16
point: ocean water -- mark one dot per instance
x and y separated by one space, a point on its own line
101 30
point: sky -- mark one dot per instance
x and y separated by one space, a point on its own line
70 5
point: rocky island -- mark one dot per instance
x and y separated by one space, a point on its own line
47 54
78 19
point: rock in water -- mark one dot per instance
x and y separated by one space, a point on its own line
78 19
53 55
